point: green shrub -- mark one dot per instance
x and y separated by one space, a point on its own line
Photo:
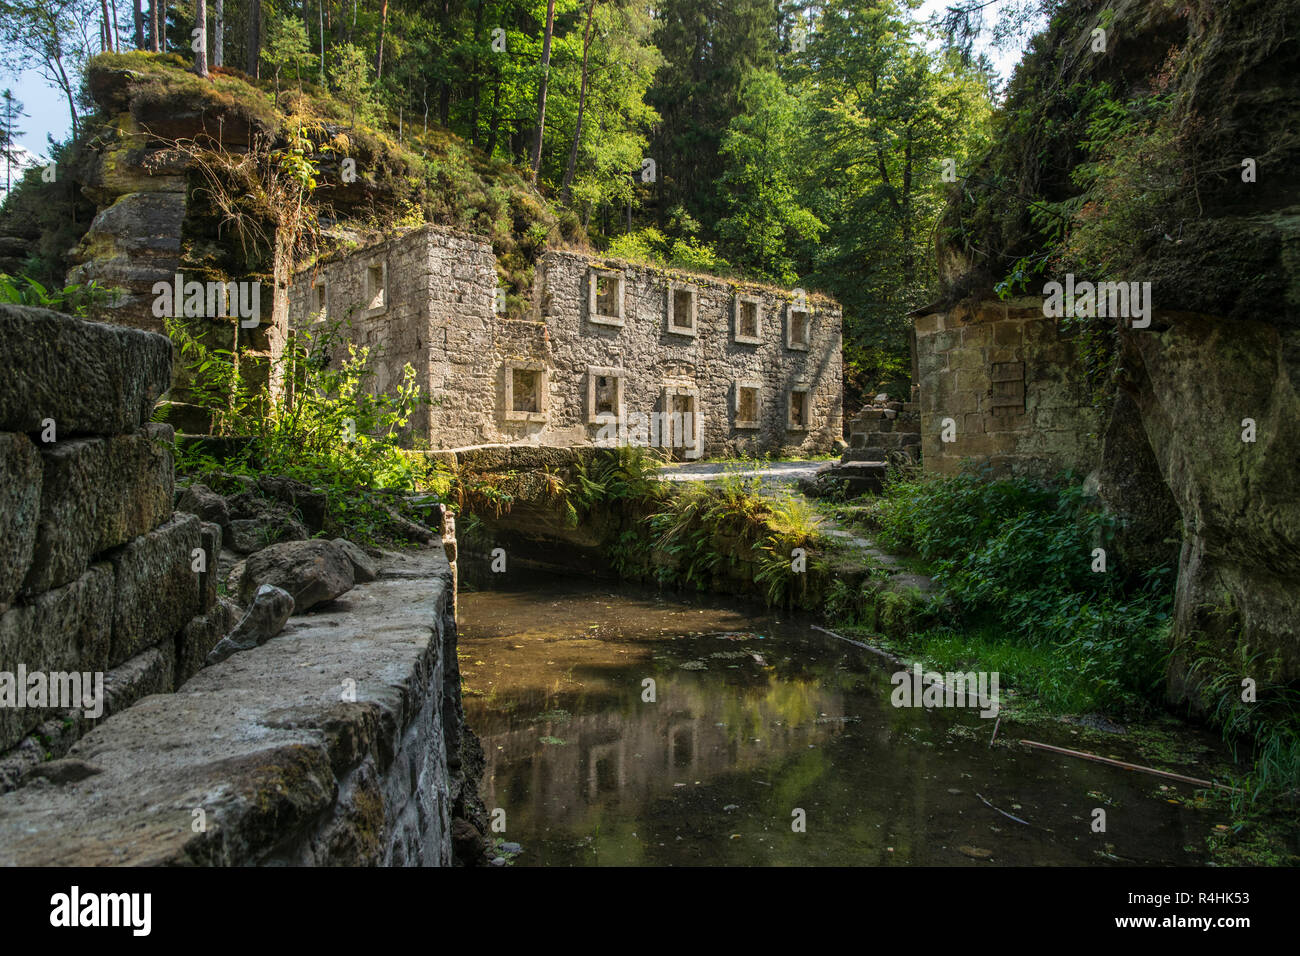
1017 555
325 426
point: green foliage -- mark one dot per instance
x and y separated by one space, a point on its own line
1017 555
349 71
765 218
287 48
1264 731
76 299
325 426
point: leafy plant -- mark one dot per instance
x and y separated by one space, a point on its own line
76 299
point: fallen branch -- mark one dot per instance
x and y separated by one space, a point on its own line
1010 816
1129 766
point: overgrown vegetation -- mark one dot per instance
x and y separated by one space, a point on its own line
75 299
1017 561
325 426
1014 560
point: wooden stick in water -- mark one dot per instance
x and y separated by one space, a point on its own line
1128 766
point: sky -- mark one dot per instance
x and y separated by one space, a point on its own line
48 112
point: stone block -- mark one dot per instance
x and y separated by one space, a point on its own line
201 635
928 324
210 536
150 672
157 592
98 493
20 507
91 378
65 629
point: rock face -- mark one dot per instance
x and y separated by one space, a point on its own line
364 567
311 571
20 506
89 378
199 499
1201 427
265 619
99 493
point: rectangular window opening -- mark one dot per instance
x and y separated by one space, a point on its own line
798 328
747 405
607 295
798 409
749 320
525 393
682 301
606 395
375 292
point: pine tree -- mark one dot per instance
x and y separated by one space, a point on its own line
11 110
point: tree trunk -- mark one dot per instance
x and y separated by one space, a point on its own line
139 24
115 33
541 91
107 37
320 17
201 24
379 57
475 85
496 118
253 44
582 102
219 34
154 27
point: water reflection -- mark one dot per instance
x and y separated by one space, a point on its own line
754 718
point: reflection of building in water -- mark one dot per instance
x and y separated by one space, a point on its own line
641 750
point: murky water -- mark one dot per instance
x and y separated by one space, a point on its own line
754 718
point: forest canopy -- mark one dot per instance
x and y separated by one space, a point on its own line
808 144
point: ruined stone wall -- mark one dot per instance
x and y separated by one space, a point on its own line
440 316
96 571
342 741
711 362
1010 382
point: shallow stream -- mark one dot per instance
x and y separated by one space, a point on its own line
756 716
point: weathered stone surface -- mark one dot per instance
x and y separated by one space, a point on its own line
310 503
210 535
253 534
199 499
98 493
201 635
62 771
439 316
235 577
151 671
286 772
157 590
311 571
1199 380
364 567
271 607
20 506
65 629
90 378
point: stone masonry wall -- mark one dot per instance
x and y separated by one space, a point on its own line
439 315
97 574
1012 383
341 741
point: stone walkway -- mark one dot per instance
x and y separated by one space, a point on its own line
775 473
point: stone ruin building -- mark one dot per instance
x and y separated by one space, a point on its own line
752 369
